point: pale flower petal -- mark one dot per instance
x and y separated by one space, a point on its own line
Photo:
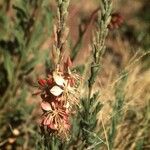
47 121
56 91
46 106
58 79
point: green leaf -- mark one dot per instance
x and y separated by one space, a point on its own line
19 34
21 12
9 66
76 49
29 66
37 35
80 69
139 144
49 20
4 24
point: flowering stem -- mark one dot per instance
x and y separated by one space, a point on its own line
60 31
98 47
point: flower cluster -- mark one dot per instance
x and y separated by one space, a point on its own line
59 97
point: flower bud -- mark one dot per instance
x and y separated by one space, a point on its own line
49 81
42 82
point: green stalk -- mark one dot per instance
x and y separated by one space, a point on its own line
98 46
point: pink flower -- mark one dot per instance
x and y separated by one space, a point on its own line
56 117
59 94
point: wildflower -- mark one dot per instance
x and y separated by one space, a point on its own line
56 117
59 95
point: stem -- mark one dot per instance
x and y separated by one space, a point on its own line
61 32
82 33
99 42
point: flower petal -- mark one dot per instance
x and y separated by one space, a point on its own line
58 79
46 106
47 121
56 91
52 126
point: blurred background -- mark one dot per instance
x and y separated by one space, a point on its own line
26 37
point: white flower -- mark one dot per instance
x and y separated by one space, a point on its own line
56 90
58 79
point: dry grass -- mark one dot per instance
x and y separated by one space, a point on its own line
134 123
